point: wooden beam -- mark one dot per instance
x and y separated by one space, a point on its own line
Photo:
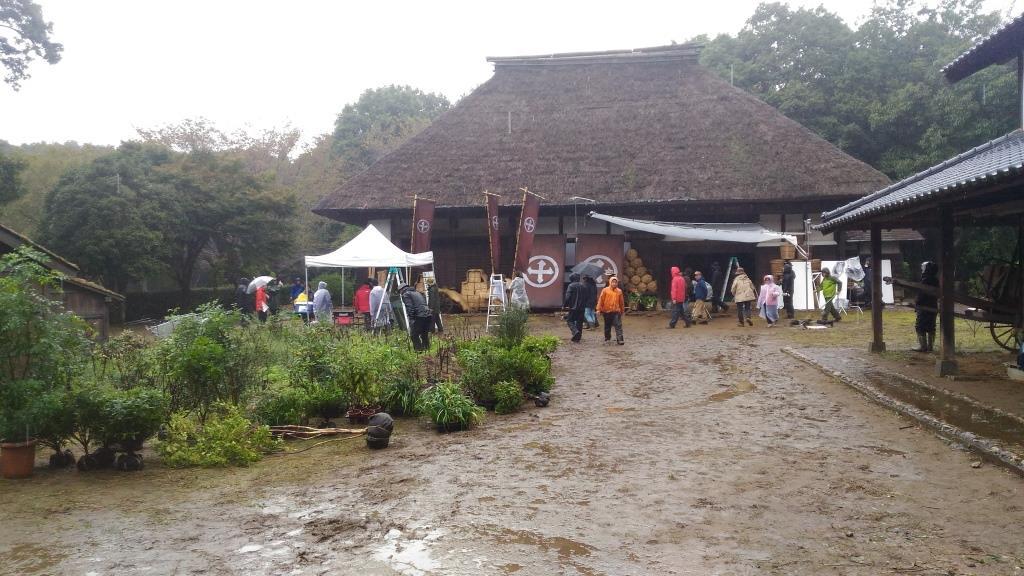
947 365
877 343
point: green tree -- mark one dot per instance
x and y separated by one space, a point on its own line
24 36
44 165
875 91
11 186
218 213
380 121
99 215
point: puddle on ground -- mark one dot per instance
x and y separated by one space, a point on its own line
741 387
981 421
883 450
32 558
564 547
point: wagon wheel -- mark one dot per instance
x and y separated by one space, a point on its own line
1005 335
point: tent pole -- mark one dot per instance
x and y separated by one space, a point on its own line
342 286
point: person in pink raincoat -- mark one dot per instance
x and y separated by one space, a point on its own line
768 300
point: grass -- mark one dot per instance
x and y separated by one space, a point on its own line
897 332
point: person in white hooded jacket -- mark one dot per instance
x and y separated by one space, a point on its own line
322 305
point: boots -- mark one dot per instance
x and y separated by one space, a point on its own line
930 339
922 342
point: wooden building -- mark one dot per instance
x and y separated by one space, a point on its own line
646 133
88 300
980 187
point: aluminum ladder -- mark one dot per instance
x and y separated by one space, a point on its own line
497 301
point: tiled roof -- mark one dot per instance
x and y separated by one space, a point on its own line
996 160
996 48
894 235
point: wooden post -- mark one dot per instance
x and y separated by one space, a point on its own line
947 365
877 343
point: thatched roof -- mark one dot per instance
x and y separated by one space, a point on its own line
618 127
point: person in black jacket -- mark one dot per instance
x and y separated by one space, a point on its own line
243 300
420 318
788 283
589 312
576 302
927 308
717 289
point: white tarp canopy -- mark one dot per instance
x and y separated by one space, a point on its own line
370 249
747 233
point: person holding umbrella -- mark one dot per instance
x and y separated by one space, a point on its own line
576 301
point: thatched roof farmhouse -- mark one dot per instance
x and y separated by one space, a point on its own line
645 133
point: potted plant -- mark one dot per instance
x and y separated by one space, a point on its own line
448 408
41 349
17 428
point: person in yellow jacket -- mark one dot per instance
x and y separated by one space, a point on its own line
612 305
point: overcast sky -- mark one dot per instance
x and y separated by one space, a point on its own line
261 64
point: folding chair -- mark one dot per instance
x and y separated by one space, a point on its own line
843 306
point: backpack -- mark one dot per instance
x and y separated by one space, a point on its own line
711 291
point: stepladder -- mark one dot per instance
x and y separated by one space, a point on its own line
497 301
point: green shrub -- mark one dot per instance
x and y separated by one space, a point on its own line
400 397
225 439
42 347
105 415
484 363
209 359
509 397
327 401
446 405
18 406
541 345
511 327
132 416
356 366
54 418
279 405
126 360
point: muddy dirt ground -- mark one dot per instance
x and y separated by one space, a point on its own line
699 451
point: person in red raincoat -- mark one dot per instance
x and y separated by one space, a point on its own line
362 301
261 304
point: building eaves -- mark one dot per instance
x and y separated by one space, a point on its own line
998 47
992 161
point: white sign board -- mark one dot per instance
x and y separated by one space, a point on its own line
803 288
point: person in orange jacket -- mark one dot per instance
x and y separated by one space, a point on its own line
612 305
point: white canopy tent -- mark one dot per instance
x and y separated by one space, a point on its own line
681 231
370 249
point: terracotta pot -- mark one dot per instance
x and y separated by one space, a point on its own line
19 458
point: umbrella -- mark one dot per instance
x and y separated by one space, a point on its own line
588 269
257 282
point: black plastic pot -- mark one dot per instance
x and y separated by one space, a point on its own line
378 430
129 462
377 443
62 459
